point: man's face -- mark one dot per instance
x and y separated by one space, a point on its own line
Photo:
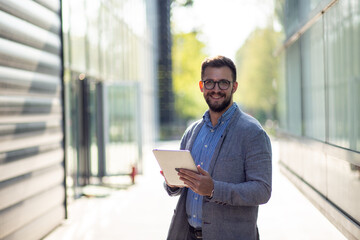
218 100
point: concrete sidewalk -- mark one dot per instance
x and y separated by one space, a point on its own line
144 211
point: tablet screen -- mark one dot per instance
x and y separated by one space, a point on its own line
172 160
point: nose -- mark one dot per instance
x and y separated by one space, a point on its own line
216 88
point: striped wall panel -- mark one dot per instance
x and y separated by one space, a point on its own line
32 192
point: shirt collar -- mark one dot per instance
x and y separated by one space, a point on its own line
226 115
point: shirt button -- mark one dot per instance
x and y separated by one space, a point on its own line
206 146
202 163
196 198
212 130
194 216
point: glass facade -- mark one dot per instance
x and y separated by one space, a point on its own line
344 77
323 76
110 74
319 108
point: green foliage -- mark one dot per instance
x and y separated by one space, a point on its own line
187 56
257 72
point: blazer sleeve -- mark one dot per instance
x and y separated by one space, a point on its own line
172 191
256 189
177 191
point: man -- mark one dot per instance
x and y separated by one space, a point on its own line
233 156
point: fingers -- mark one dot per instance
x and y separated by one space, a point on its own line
189 180
202 171
200 183
188 174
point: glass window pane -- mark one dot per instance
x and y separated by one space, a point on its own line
313 82
355 76
282 93
338 75
291 18
293 71
123 136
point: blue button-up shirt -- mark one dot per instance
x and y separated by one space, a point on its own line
202 152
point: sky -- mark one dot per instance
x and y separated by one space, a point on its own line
224 24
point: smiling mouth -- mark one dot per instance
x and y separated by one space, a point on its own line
216 97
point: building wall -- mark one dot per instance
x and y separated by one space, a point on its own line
165 85
110 58
319 110
86 70
32 192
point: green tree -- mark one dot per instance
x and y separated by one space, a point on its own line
257 72
187 55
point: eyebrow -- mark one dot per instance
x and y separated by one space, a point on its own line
216 81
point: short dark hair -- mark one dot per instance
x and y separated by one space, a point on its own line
218 61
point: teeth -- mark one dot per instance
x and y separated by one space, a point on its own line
216 97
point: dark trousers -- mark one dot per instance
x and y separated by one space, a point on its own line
194 234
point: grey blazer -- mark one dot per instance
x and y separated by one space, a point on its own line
241 171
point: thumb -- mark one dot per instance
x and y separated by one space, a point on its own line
202 171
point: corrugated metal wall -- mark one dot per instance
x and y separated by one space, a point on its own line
32 189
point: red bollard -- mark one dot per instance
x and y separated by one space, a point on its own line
133 174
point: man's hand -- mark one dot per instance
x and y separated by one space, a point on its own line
201 183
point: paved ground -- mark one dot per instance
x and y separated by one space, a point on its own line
143 212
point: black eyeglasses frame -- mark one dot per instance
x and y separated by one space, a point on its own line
216 82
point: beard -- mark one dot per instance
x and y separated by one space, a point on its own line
218 106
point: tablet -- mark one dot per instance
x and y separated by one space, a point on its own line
171 160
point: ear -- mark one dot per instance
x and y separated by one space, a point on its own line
201 85
235 86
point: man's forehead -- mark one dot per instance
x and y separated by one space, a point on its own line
218 73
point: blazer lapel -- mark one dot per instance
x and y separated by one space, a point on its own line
221 141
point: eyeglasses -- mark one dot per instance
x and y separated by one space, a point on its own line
222 84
